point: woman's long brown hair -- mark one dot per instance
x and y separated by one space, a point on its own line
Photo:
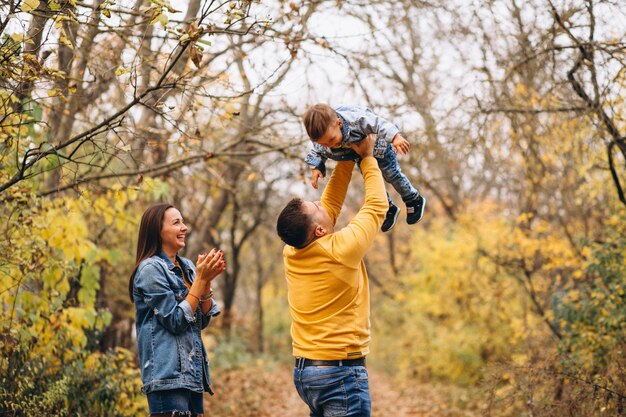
149 241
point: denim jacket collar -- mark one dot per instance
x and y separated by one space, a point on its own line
171 265
345 130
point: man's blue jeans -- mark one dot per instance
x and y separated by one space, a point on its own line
333 391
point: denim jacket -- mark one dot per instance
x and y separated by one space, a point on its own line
357 123
171 352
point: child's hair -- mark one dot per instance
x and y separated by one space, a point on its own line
317 119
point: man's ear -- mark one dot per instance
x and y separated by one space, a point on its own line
320 231
339 122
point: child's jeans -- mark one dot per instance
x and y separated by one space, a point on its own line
392 174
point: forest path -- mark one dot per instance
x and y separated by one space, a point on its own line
258 392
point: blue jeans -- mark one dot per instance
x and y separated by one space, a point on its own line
181 402
392 174
333 391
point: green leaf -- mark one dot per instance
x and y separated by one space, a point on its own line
114 256
53 161
37 112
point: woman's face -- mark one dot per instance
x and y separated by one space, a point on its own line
173 231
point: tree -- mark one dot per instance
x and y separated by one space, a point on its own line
78 165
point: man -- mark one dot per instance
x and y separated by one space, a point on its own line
328 289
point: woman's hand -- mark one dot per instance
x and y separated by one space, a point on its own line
210 265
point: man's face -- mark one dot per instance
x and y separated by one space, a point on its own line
318 215
332 137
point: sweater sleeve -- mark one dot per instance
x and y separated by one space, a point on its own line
336 189
350 244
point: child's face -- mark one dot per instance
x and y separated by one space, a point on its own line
332 138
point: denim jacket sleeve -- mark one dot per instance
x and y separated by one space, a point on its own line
155 289
316 160
382 127
366 121
214 311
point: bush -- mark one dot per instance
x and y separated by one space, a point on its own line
93 384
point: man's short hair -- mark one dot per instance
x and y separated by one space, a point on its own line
293 225
317 119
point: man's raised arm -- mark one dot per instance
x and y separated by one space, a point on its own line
336 189
351 242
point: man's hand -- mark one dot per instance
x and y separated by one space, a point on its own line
316 174
365 147
401 145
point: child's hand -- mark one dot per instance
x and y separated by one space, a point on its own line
401 145
316 174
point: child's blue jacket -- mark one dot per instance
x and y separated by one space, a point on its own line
357 123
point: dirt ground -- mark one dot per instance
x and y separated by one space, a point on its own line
259 392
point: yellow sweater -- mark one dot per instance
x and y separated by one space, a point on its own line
328 289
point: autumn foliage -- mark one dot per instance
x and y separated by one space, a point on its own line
508 299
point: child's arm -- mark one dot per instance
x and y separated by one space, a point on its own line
401 145
372 123
317 162
388 131
316 174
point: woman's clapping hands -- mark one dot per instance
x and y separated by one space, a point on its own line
210 265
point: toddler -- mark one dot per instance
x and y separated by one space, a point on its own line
332 131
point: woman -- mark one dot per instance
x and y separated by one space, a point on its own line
173 303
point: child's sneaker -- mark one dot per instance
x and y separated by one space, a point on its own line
390 218
415 210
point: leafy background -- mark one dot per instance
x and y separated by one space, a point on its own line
506 300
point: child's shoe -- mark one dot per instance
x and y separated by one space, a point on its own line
414 209
390 218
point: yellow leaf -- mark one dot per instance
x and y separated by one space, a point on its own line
156 15
65 41
19 37
29 5
54 6
163 19
121 71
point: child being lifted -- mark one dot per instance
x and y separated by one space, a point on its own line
332 131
